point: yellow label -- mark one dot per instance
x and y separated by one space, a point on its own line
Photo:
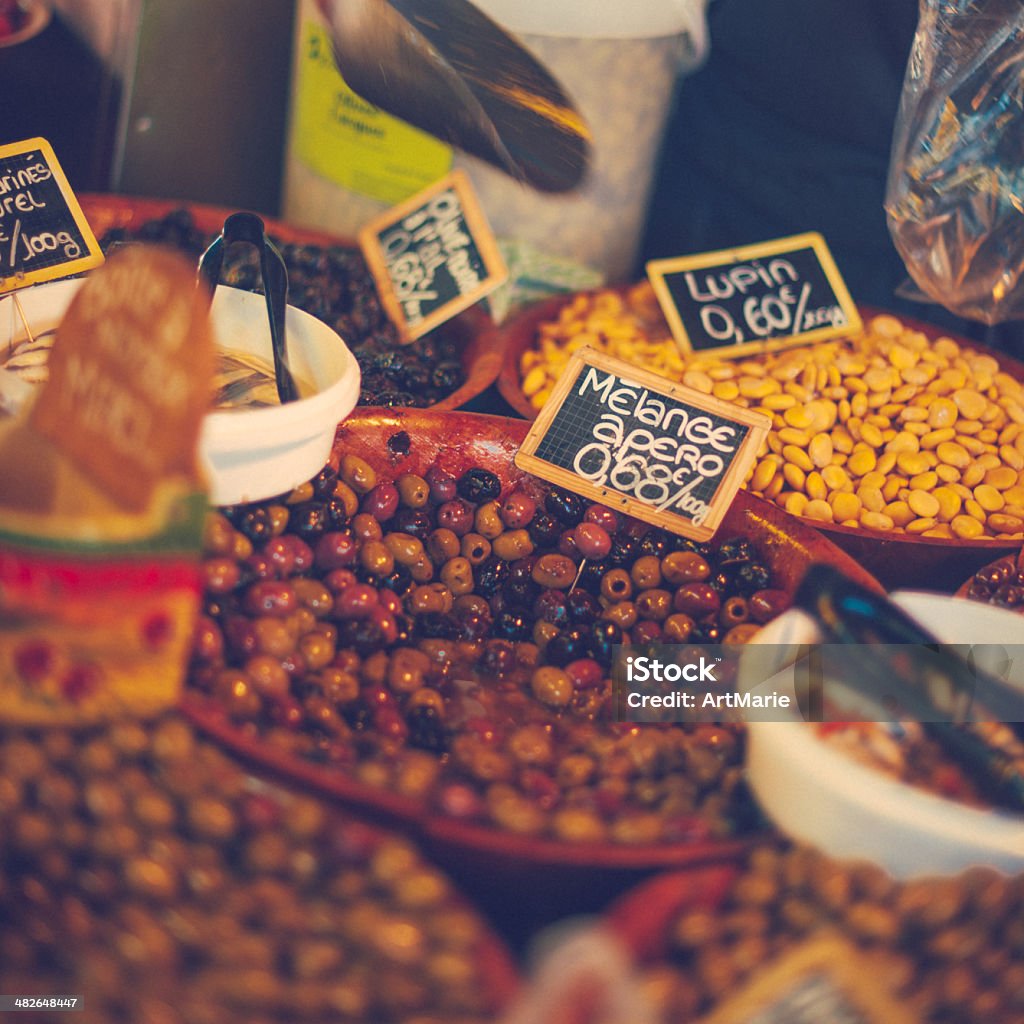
343 138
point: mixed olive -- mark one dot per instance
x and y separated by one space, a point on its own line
333 284
144 871
449 640
1000 583
950 950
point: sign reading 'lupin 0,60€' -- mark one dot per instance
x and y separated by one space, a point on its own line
642 444
43 233
756 298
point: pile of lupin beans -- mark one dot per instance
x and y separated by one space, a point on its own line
1001 582
333 284
144 871
450 641
886 430
951 949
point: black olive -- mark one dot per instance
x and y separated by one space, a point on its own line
414 521
337 517
654 542
723 581
551 607
752 576
733 552
426 730
324 482
478 486
308 520
568 508
592 574
255 523
520 593
543 529
624 551
490 575
582 605
512 626
568 646
603 637
437 626
399 443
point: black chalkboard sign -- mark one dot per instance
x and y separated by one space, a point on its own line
825 980
642 444
432 256
43 232
755 298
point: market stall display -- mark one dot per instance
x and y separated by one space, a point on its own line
329 280
146 872
903 444
426 631
942 948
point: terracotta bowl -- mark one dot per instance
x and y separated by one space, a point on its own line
895 559
481 359
457 441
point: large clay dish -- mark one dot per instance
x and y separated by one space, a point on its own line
896 559
458 440
481 357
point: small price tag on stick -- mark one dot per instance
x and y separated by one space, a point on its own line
643 444
757 298
432 256
43 233
825 980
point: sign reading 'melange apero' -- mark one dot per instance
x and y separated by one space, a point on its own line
642 444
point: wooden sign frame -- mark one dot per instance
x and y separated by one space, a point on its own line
828 954
757 424
659 270
93 255
496 271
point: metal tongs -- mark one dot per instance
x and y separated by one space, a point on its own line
248 228
890 652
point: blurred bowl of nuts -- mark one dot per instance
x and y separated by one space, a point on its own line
903 444
149 873
424 632
695 950
328 279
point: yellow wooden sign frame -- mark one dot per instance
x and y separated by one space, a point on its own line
630 375
93 256
829 954
658 270
479 229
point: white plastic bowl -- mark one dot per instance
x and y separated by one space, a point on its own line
249 454
817 794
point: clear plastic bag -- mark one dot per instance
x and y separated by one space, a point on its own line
955 192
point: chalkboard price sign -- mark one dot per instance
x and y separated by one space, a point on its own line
825 979
755 298
642 444
43 233
432 256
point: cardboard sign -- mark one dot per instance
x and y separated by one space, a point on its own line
43 232
825 980
129 374
432 256
755 298
642 444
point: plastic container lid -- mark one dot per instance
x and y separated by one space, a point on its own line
599 19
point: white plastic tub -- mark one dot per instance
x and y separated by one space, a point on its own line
249 454
816 793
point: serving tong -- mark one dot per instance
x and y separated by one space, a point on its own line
249 229
890 652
